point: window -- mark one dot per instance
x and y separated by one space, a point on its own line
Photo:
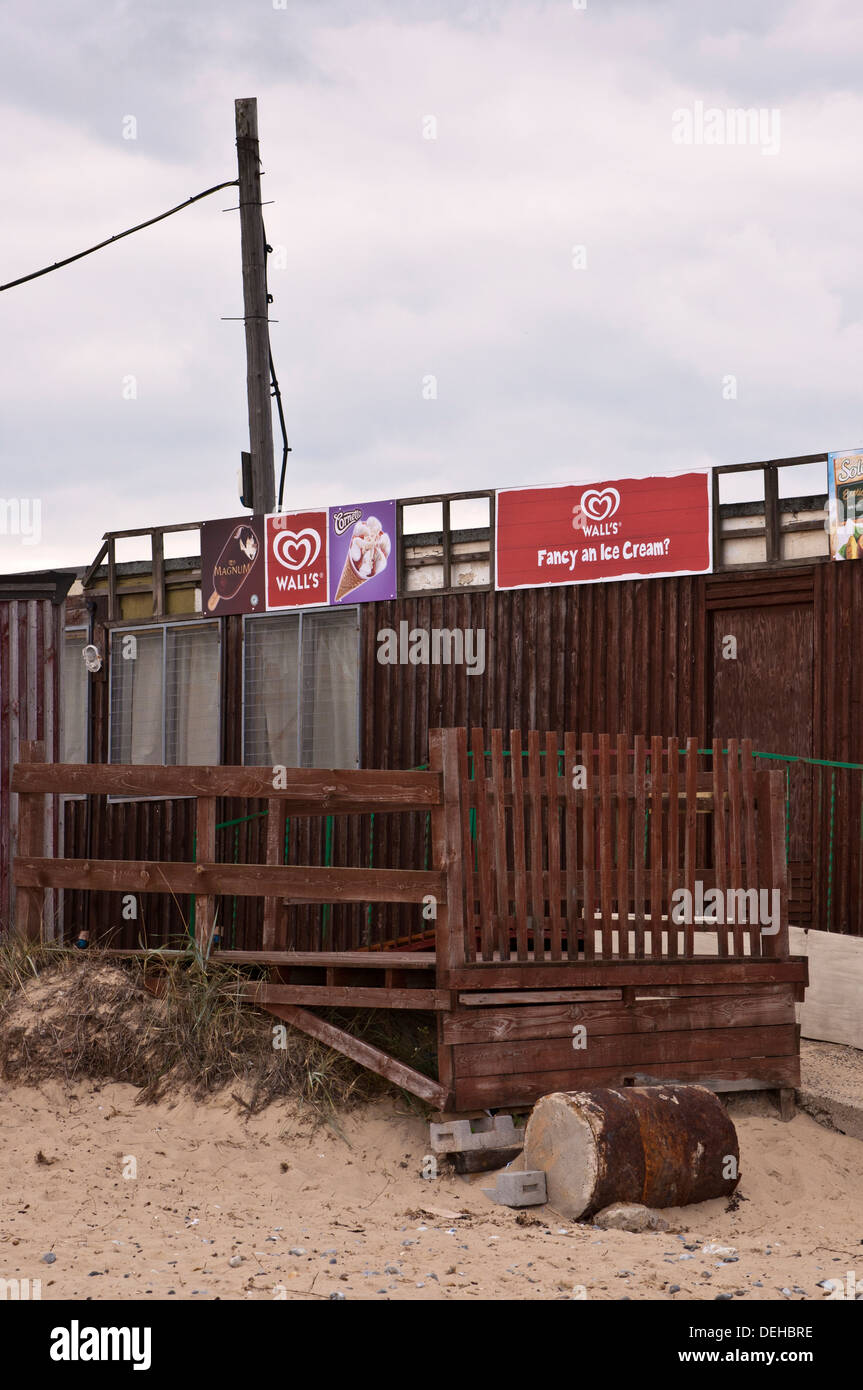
770 513
165 694
300 690
75 697
446 542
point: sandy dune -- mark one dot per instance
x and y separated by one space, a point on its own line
214 1186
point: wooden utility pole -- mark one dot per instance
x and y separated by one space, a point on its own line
255 306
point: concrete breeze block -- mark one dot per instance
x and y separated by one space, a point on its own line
525 1189
466 1136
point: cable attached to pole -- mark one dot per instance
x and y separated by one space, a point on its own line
196 198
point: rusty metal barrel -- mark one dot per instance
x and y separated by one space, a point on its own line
662 1146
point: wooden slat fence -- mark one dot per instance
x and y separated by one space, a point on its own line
581 845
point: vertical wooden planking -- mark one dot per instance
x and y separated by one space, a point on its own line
735 852
639 778
589 854
570 763
622 838
29 902
776 943
689 841
553 840
534 815
484 847
205 853
502 913
606 851
656 861
471 921
518 854
750 838
673 880
719 842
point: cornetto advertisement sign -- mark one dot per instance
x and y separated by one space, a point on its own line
584 533
362 552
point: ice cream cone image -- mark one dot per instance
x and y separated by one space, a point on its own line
367 556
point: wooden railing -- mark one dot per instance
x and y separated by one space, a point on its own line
300 791
566 850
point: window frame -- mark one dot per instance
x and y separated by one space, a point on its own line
302 613
447 541
118 631
774 531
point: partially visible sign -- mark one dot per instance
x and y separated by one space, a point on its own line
845 504
362 552
296 559
586 532
232 565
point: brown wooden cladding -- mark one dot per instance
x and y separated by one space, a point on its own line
514 1055
30 636
640 657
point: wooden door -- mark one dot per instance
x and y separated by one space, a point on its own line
763 688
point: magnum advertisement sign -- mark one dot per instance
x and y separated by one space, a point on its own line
232 565
583 533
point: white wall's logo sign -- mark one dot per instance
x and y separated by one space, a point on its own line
599 506
296 550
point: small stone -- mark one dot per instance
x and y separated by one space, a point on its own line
297 1250
337 1297
629 1216
235 1260
675 1288
394 1269
723 1297
49 1258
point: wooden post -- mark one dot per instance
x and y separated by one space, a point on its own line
447 852
205 853
276 823
255 306
30 843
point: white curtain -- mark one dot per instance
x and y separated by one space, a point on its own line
136 696
271 698
192 695
329 689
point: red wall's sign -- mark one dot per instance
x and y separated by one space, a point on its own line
585 532
296 551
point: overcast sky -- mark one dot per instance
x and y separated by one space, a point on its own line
400 257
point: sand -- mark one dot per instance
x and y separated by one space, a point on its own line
214 1185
